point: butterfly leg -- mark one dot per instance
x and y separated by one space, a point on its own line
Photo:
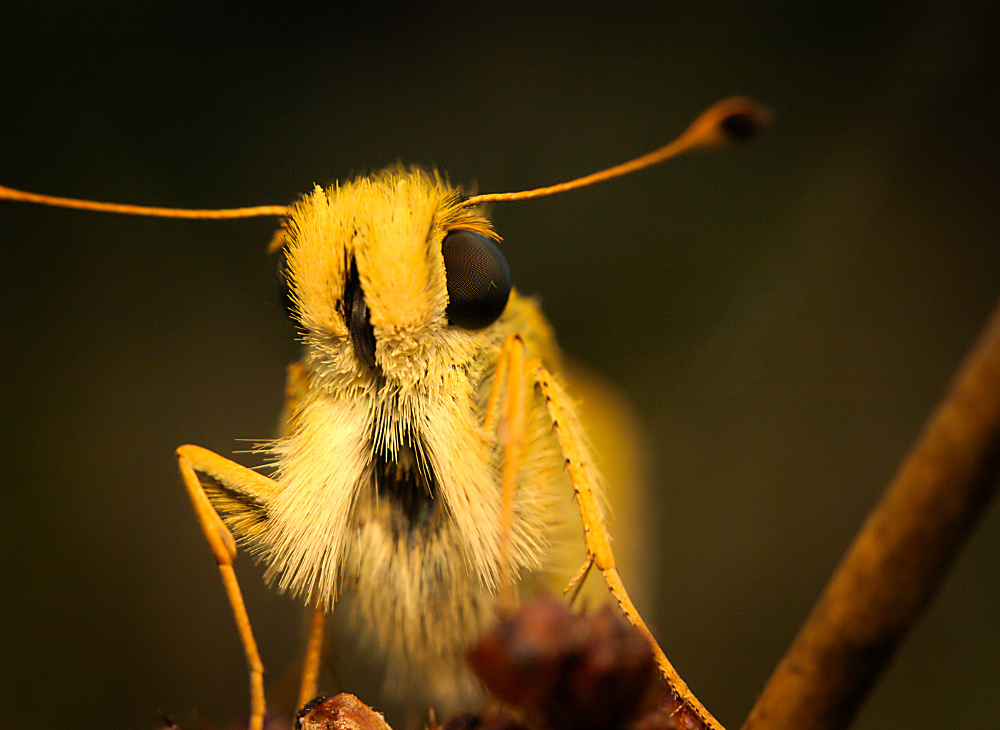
586 486
506 410
314 655
296 388
239 480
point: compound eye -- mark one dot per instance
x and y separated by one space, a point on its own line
478 279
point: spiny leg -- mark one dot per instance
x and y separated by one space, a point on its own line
576 582
499 379
192 460
583 474
511 426
296 388
314 654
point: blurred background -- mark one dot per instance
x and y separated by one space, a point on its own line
783 317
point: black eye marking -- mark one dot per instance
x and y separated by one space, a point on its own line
356 317
478 279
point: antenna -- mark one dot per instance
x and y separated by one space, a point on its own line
724 124
23 197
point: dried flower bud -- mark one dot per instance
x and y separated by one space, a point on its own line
566 670
342 712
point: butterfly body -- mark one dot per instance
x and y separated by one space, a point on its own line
430 448
387 486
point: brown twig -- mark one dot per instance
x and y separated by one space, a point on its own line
898 559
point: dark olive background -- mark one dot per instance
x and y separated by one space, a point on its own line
783 316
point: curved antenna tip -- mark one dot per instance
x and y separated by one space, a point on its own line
732 121
724 124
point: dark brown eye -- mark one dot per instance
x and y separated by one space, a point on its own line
478 279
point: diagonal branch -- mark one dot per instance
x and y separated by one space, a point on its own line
899 558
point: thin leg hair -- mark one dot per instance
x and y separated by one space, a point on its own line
584 476
194 459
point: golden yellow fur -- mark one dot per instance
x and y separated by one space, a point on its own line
420 596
